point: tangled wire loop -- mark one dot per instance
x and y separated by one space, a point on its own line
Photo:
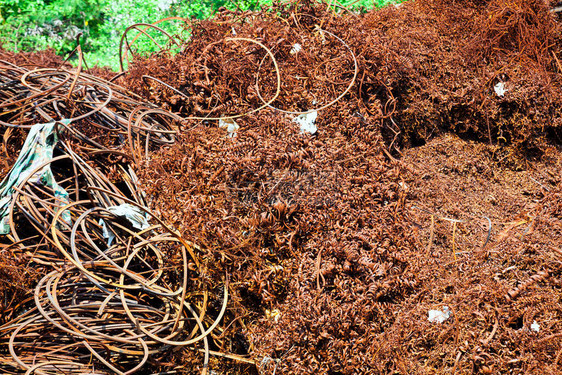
120 286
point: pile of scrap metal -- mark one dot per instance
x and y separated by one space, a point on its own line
117 286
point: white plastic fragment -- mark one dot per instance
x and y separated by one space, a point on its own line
137 217
535 327
230 125
307 122
273 314
107 234
500 89
296 48
438 316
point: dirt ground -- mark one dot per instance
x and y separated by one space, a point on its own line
422 189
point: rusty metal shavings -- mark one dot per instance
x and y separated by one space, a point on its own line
344 269
339 97
249 112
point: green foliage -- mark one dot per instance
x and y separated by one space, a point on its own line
27 25
40 24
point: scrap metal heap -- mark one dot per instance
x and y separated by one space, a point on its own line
280 142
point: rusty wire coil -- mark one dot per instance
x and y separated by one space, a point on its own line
110 300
